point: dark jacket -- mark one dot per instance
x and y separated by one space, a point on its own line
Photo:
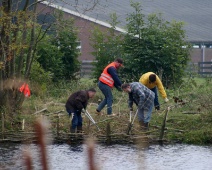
117 82
77 101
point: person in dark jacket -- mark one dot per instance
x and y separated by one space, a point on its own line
76 104
107 81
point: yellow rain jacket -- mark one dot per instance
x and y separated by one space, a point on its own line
145 81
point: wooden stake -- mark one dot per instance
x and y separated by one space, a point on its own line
2 118
58 124
89 124
164 124
23 124
108 132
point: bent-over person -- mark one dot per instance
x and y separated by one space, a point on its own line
143 98
152 81
77 103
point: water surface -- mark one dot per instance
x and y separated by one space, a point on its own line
115 157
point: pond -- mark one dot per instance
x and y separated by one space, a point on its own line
114 157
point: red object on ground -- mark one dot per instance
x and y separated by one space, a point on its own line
25 89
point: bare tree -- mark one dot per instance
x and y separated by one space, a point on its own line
16 25
19 35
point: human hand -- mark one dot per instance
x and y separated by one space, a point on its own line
83 111
131 109
166 99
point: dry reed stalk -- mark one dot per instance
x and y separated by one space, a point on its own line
91 160
40 128
28 160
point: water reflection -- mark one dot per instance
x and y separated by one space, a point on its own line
115 157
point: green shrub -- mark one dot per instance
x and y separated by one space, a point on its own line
39 79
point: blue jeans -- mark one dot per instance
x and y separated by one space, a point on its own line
108 100
156 102
77 118
145 114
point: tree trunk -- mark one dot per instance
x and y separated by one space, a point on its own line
23 40
32 46
9 94
21 57
4 49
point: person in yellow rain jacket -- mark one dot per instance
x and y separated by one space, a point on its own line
152 81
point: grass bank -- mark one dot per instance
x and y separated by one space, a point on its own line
188 121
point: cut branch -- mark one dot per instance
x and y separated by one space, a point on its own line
42 110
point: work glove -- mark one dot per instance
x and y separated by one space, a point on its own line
166 99
157 107
71 116
83 111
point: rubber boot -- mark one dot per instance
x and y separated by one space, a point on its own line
72 130
79 129
146 125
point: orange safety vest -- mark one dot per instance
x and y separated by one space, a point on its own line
107 78
25 89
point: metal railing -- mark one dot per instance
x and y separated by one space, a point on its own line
205 68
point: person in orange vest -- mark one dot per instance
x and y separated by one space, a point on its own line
107 81
152 81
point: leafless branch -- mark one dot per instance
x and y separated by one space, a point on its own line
35 3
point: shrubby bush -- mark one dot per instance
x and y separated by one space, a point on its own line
39 79
57 53
150 44
107 47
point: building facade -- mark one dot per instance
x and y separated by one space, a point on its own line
201 52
